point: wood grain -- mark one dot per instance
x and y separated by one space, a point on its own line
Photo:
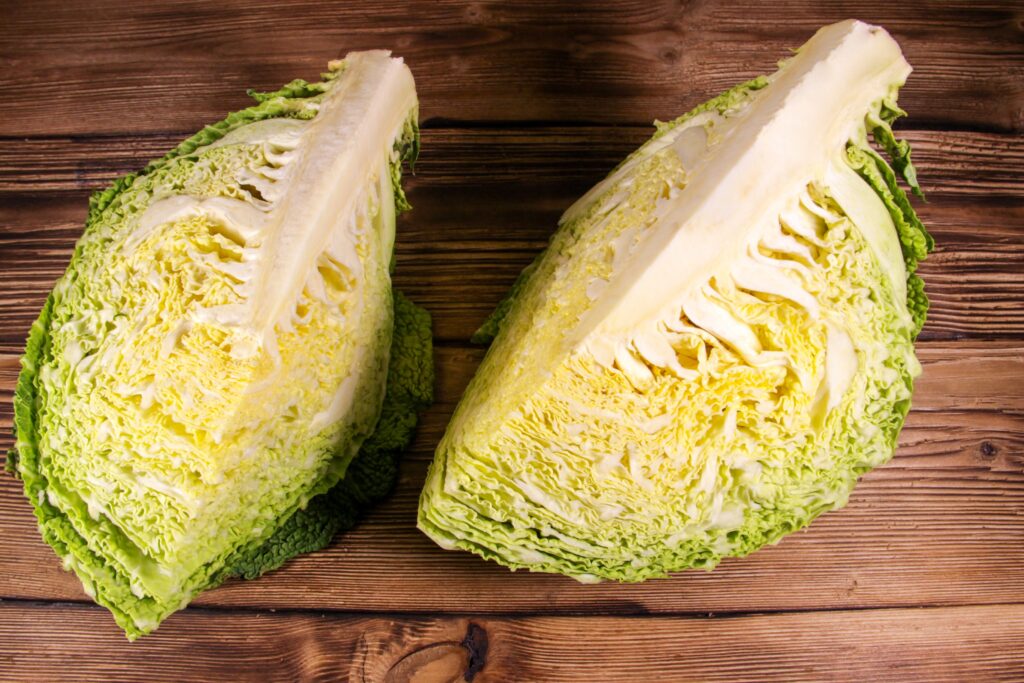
524 106
485 202
128 67
940 525
958 163
72 643
461 248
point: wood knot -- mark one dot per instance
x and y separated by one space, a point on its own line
443 662
989 449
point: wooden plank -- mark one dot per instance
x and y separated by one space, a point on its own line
481 214
970 164
460 250
940 525
449 263
129 67
62 643
947 383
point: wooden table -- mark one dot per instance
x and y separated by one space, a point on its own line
524 106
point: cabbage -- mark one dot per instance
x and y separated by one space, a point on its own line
218 352
716 344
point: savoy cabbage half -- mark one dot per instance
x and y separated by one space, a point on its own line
716 344
223 376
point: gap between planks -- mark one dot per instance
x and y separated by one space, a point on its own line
635 612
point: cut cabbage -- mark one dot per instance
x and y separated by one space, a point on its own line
716 344
218 351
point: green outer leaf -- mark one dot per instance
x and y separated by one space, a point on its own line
914 238
407 149
490 327
297 88
898 150
731 99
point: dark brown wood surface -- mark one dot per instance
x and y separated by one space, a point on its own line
524 106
